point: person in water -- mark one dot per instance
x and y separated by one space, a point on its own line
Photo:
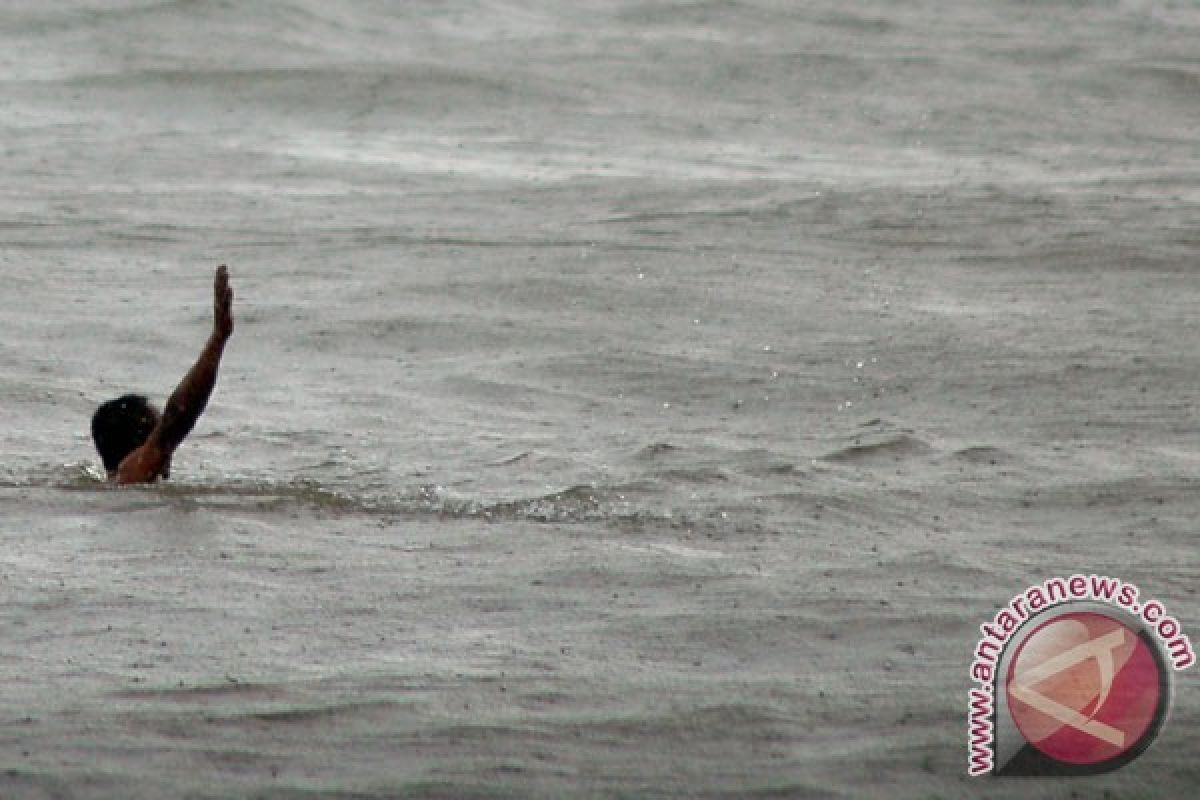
135 441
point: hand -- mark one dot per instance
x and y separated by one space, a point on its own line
222 304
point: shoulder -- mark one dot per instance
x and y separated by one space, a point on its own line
144 464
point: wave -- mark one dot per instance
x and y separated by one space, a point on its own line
576 503
120 36
890 447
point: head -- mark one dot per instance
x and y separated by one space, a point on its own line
121 426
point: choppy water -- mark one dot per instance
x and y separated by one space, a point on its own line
722 365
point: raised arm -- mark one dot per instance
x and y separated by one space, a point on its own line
188 400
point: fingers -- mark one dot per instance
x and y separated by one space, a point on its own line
223 302
221 287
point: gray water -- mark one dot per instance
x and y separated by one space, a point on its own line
627 399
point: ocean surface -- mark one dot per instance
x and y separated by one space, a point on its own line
627 399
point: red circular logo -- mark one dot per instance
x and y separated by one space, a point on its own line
1085 688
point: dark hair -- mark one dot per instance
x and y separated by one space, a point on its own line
121 426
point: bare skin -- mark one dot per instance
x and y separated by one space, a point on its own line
187 402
